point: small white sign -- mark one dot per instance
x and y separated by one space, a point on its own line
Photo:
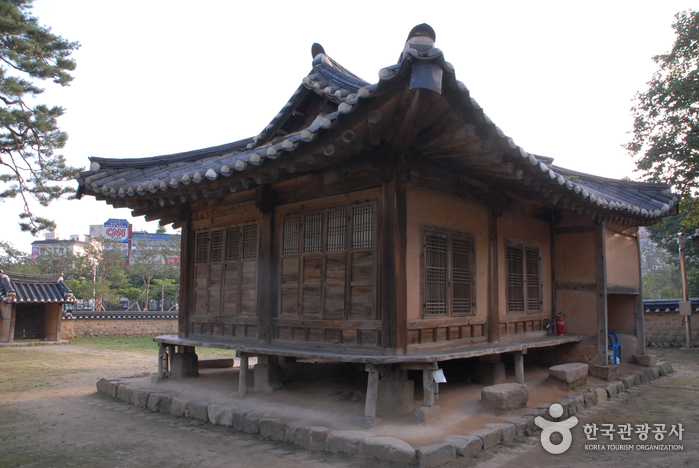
685 308
438 376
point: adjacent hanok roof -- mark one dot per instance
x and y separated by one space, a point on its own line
417 107
25 288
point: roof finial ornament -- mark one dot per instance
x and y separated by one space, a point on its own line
421 39
317 49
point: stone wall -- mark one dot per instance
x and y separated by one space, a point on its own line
667 329
117 327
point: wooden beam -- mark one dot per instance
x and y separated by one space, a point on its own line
519 367
243 376
372 391
266 290
601 280
428 388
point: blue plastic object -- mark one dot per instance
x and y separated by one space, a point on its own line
614 347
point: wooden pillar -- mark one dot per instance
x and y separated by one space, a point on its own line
243 376
640 323
519 366
162 356
266 277
428 387
601 281
188 251
392 265
494 212
372 391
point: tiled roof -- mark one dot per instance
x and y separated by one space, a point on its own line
168 180
26 288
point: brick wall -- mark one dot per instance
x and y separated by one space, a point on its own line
117 327
663 329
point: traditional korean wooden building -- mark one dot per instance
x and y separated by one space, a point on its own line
390 223
32 306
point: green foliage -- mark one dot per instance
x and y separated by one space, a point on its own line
662 262
29 132
665 140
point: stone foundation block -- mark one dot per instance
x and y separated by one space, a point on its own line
590 398
505 397
344 441
159 403
426 414
184 365
465 446
124 393
435 455
268 377
139 398
315 438
601 395
388 449
620 387
251 423
656 372
102 383
177 407
239 418
294 433
490 436
647 360
112 388
273 429
611 390
629 381
197 409
572 374
604 372
360 421
508 431
665 368
524 425
221 415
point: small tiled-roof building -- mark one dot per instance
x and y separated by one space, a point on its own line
31 306
391 224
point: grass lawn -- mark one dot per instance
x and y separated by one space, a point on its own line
138 344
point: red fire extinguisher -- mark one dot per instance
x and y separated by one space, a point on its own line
560 324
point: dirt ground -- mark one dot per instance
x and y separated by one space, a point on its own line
50 415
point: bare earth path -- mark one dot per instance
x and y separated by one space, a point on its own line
51 416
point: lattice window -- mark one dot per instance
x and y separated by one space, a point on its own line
216 246
448 283
232 244
313 233
203 247
363 227
533 284
523 279
337 230
435 275
291 228
250 241
461 276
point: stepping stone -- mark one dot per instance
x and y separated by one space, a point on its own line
569 373
505 397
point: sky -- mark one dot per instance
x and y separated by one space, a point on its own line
162 77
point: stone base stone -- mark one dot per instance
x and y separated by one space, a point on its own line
364 422
604 372
396 394
268 377
426 414
573 374
646 360
505 397
490 373
184 365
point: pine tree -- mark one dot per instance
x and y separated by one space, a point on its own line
30 168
